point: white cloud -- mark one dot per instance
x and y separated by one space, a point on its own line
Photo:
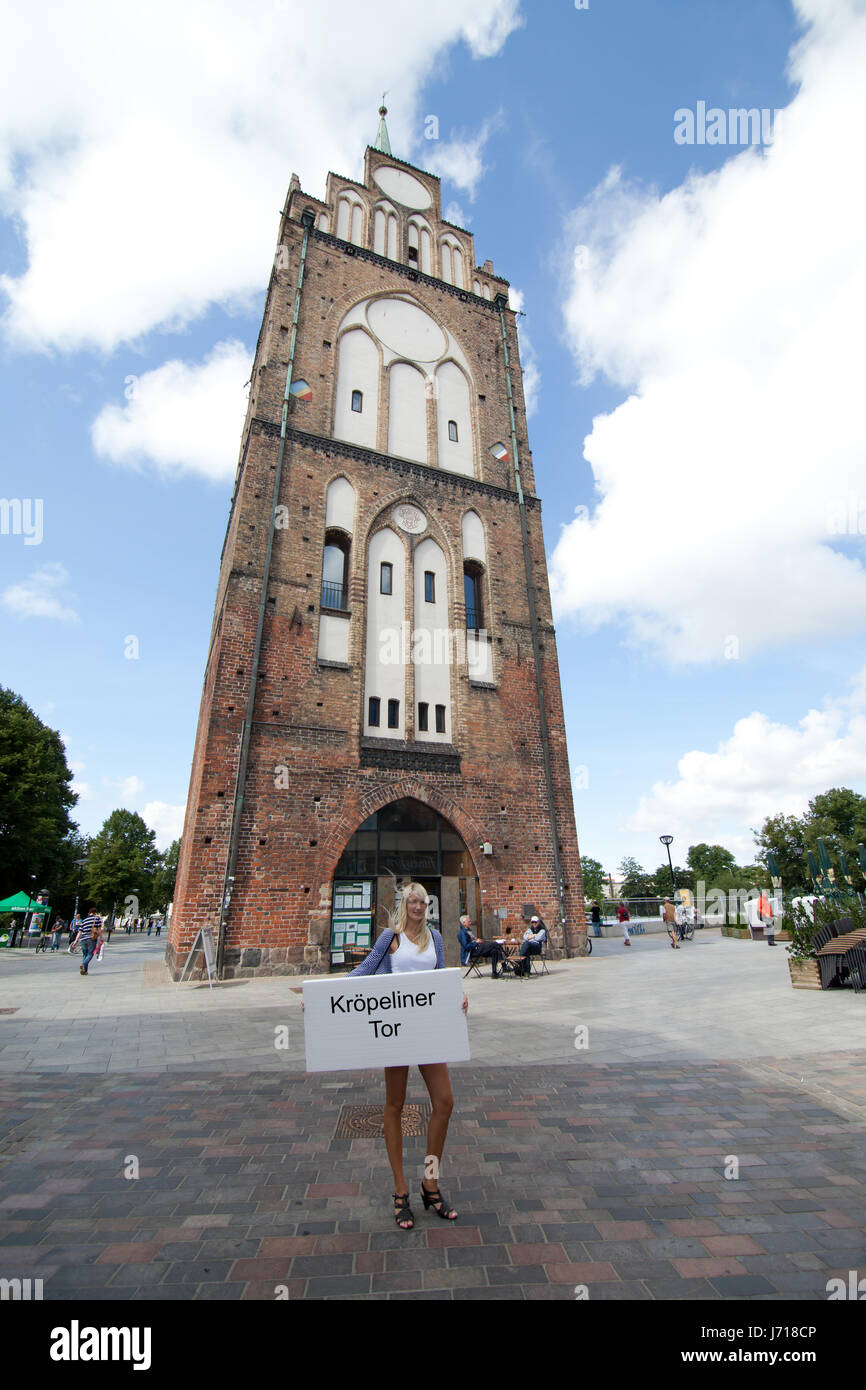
454 213
461 160
732 310
180 417
139 212
39 596
130 788
82 790
165 820
528 359
765 768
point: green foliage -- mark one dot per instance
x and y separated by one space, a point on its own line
593 878
166 873
636 883
35 796
837 816
123 859
786 837
661 879
710 862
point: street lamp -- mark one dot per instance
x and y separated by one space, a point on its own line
79 864
667 841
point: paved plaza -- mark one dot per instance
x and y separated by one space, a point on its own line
639 1125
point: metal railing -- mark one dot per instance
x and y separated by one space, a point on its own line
333 595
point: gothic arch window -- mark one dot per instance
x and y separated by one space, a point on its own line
357 397
473 594
452 262
431 645
324 222
456 452
335 569
420 244
350 220
384 666
407 413
385 231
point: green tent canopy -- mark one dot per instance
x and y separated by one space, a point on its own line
21 902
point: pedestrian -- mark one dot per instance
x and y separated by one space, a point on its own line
595 917
473 949
149 925
14 929
409 945
57 934
624 916
89 938
765 916
534 941
158 925
670 917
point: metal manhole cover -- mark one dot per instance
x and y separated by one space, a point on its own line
365 1121
8 1011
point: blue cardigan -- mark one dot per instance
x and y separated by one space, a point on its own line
378 962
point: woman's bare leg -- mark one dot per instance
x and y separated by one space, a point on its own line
438 1084
395 1095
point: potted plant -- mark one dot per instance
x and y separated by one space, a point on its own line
801 928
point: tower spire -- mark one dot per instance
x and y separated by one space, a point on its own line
382 141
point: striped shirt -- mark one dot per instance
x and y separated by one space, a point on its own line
90 927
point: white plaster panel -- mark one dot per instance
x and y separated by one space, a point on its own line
358 370
403 187
431 651
379 232
426 259
452 390
407 417
344 215
479 659
357 225
340 505
446 263
333 638
392 237
474 547
385 670
406 329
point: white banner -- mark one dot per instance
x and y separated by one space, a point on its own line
352 1024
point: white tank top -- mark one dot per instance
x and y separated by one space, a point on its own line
407 956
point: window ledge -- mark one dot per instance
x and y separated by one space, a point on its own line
334 665
482 685
335 612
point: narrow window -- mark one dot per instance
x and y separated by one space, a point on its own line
472 598
429 586
373 712
422 718
385 578
413 256
452 430
440 719
393 714
335 569
357 401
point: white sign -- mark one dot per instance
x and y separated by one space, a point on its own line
365 1021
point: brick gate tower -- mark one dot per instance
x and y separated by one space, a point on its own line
381 700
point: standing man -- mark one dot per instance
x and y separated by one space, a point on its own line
596 919
14 929
89 938
765 916
670 916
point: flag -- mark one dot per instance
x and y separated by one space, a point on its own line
302 389
499 451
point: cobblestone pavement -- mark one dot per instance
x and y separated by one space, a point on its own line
608 1175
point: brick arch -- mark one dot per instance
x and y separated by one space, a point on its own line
379 514
409 786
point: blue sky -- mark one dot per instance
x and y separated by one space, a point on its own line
691 339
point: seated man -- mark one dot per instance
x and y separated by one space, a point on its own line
472 949
534 939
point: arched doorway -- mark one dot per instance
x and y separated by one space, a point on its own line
403 842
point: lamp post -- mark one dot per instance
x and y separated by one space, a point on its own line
25 931
79 864
667 841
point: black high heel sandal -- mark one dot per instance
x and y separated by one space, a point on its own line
438 1203
405 1212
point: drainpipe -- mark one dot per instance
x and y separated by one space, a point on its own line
500 303
247 727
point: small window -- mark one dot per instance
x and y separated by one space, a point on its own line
472 597
440 719
373 712
452 430
422 718
358 401
393 714
429 586
386 572
413 255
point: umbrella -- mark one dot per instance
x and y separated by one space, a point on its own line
23 902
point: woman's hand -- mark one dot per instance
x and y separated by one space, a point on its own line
465 1005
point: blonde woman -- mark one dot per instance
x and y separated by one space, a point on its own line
408 945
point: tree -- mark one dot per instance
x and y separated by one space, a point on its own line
123 859
35 796
786 837
661 880
838 816
635 883
166 873
710 862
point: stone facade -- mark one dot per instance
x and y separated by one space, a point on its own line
313 776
